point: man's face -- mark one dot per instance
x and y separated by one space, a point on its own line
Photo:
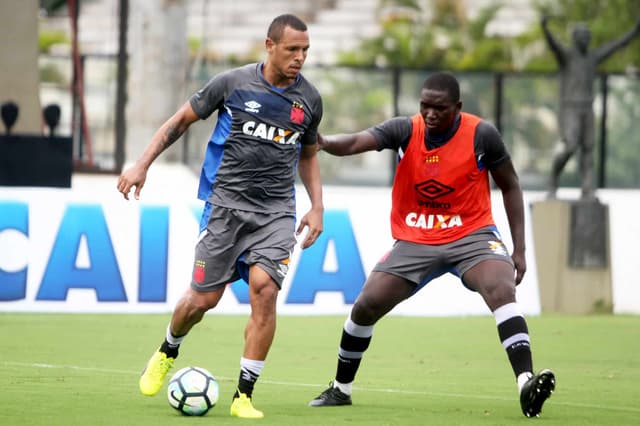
438 110
288 55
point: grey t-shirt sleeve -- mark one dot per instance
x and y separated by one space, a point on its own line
393 133
311 134
211 96
489 146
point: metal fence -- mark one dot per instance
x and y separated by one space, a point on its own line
522 106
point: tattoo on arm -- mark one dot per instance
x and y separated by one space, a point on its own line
170 136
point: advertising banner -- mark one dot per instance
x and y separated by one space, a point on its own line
86 249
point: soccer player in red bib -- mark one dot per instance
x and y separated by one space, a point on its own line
442 222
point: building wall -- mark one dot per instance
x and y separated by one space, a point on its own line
19 78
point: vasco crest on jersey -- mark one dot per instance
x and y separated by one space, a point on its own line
297 113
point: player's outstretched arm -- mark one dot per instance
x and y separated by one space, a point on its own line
347 143
164 137
309 171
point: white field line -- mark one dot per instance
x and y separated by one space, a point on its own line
312 385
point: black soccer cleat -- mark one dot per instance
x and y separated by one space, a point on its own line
536 391
331 397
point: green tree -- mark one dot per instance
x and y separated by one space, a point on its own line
439 34
433 34
405 39
606 19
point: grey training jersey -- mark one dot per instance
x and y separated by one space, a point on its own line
251 158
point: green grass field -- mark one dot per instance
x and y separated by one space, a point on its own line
83 369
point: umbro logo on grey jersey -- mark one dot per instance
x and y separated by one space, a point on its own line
252 106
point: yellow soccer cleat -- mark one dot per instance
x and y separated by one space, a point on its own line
154 373
241 407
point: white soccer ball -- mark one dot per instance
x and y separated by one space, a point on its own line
193 391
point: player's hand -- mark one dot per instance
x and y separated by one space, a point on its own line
520 264
134 176
313 222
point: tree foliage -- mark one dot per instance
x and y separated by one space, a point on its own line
439 34
606 19
52 5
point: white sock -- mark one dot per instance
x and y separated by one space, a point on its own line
357 330
343 387
522 379
253 365
173 340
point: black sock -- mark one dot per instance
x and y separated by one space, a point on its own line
514 335
169 349
246 382
350 356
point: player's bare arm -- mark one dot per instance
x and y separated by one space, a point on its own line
166 135
507 180
347 143
309 171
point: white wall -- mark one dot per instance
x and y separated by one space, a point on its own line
86 249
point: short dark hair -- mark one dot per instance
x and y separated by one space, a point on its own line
281 22
444 82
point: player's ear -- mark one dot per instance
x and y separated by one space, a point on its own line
269 44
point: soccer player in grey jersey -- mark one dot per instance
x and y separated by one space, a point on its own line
268 116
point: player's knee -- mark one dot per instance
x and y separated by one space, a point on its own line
364 312
264 292
202 305
200 302
501 294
